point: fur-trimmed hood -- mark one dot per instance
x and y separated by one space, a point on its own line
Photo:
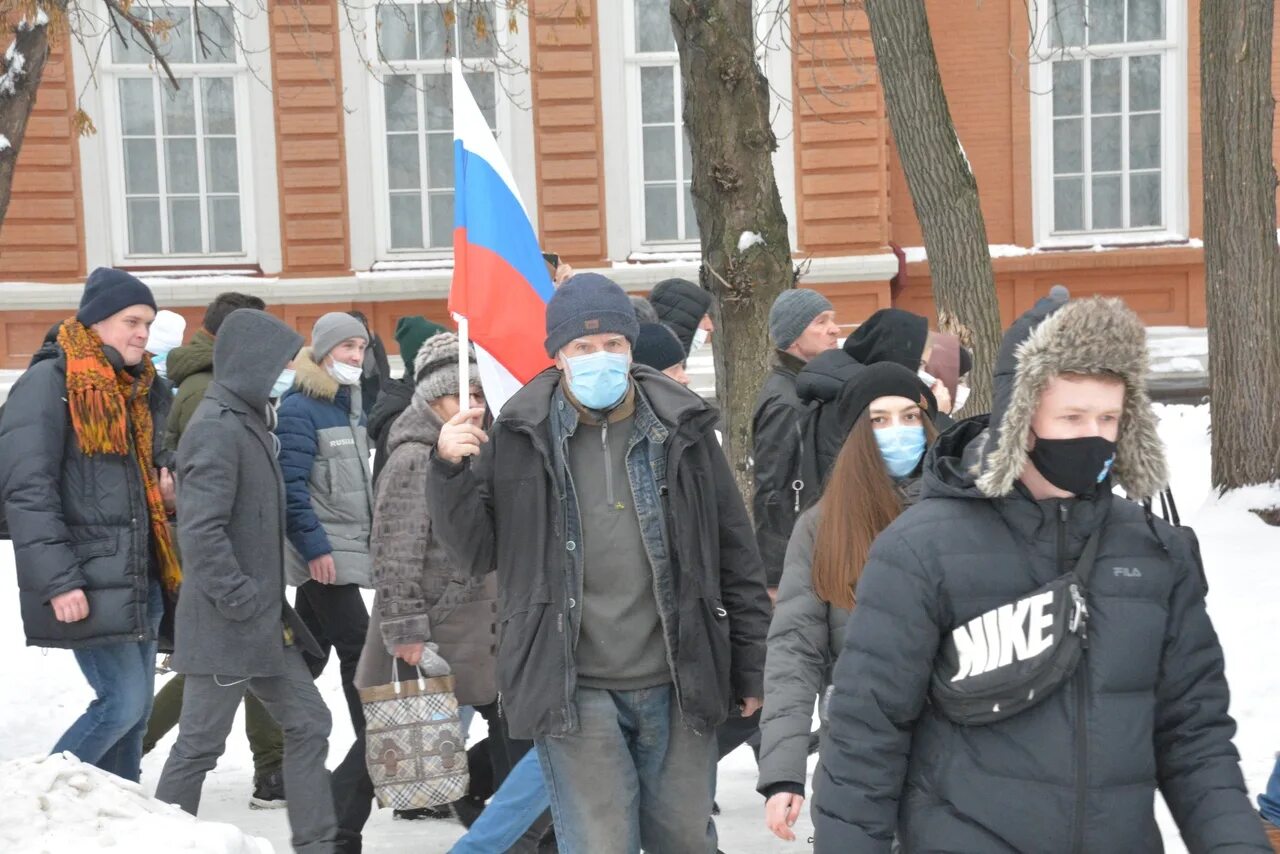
313 380
1085 336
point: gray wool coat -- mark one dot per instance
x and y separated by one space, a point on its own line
233 618
422 594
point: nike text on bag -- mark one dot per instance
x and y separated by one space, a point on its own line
1010 658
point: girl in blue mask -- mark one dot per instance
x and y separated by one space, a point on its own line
887 414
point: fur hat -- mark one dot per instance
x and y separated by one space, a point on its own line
1087 336
435 369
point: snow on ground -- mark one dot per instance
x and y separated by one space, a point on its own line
44 692
59 804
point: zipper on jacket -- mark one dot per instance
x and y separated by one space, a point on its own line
1081 686
608 466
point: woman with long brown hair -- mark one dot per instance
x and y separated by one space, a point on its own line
889 415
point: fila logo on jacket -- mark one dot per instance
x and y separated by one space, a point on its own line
1014 632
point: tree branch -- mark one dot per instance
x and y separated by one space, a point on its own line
141 29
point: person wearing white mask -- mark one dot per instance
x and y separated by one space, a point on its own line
324 455
166 334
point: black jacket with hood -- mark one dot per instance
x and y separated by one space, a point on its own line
77 521
1146 708
505 512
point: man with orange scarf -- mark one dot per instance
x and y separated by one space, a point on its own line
86 511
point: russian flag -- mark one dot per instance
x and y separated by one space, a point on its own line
501 285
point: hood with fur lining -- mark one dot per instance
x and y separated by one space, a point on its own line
311 379
1085 336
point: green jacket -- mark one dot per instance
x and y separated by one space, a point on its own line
190 370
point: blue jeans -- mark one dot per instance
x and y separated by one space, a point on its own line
516 805
123 675
1269 801
632 776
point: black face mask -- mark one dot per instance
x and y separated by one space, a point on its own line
1074 465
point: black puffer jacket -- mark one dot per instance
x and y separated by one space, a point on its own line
506 513
1146 708
681 305
77 522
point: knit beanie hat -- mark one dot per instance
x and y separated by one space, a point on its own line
331 330
107 291
883 379
792 313
411 331
589 304
658 347
166 332
435 369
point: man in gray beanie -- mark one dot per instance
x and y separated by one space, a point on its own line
633 598
324 455
802 325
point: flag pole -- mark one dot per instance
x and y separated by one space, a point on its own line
464 331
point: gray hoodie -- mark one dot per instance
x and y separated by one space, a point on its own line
232 615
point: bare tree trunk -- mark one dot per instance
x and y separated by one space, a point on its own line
18 85
726 113
1240 253
943 188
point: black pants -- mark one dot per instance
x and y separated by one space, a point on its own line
336 615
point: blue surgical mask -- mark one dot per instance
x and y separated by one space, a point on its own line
901 447
283 383
598 380
162 369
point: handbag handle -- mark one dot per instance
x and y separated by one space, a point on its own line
395 670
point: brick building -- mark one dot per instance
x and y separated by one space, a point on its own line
308 158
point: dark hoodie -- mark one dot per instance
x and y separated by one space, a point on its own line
890 335
1146 708
233 618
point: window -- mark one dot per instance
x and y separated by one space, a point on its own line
1108 120
661 165
414 45
178 163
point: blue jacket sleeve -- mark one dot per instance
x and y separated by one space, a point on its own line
298 436
880 684
33 436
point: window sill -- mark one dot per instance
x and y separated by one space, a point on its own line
1104 241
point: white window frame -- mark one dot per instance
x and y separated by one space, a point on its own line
624 188
109 73
1173 127
506 117
635 132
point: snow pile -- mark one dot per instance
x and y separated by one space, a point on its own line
4 143
17 68
748 239
59 804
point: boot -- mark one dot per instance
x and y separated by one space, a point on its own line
268 791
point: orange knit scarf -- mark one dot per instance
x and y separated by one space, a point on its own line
105 404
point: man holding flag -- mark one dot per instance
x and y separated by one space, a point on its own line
632 597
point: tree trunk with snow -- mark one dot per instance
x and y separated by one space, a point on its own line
24 62
726 115
1240 253
943 188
